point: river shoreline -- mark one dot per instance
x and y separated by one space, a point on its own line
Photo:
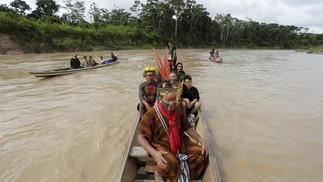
10 46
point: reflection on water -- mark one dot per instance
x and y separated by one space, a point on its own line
262 107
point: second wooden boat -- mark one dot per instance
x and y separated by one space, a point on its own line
217 60
65 71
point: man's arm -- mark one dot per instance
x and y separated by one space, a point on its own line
142 95
157 155
196 96
191 132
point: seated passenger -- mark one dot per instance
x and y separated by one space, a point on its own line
75 62
175 84
102 61
147 90
161 134
216 54
190 97
180 72
92 62
85 62
114 57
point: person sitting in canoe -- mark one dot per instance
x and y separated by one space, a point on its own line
92 62
180 72
175 84
161 134
147 90
102 61
216 54
85 62
190 99
75 62
114 57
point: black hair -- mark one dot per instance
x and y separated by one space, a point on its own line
178 64
187 77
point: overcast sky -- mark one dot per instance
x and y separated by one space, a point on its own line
301 13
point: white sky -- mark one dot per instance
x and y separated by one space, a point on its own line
301 13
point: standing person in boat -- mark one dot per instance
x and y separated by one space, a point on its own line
175 84
147 90
212 53
190 98
180 72
92 62
164 147
172 56
85 62
75 62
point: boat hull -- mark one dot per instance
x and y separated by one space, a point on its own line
65 71
132 167
217 60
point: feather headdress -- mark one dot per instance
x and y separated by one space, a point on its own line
163 65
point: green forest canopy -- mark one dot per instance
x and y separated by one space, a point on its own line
146 25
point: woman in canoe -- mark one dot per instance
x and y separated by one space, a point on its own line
180 72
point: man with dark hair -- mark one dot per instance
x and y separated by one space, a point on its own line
114 57
161 134
147 90
75 62
190 97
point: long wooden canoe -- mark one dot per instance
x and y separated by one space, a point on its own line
65 71
134 166
217 60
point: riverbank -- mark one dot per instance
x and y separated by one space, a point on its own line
9 44
315 50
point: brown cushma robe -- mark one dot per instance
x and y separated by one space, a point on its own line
152 129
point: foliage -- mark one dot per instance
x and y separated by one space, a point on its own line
44 8
149 24
75 12
20 6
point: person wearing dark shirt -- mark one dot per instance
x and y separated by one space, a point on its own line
172 56
114 57
75 62
190 97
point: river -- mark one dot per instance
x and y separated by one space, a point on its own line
263 108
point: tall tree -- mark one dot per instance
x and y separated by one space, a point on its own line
75 11
20 6
177 6
5 8
117 16
95 13
45 8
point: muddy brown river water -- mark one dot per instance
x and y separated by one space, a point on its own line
264 108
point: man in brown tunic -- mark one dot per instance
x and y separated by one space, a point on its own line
162 148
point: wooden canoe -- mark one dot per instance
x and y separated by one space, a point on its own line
134 168
65 71
217 60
